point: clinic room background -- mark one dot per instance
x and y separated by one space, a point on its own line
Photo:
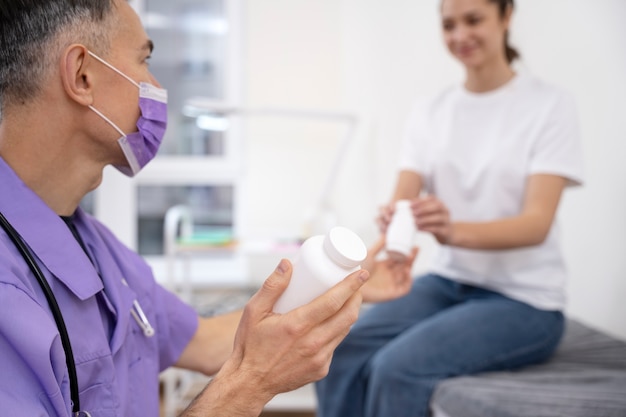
371 59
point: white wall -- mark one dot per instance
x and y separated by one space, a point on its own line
288 44
373 58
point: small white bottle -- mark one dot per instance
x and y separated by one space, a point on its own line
322 261
401 232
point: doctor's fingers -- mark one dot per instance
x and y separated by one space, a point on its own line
262 302
327 335
337 326
311 350
332 302
309 356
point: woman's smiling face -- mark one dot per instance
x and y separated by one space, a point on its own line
474 31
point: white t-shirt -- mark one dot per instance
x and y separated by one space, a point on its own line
475 152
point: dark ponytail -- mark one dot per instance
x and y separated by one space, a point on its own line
511 53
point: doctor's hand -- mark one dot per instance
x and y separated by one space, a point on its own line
389 279
275 353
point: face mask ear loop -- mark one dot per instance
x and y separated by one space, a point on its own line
113 68
106 119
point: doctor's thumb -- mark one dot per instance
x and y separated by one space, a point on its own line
274 285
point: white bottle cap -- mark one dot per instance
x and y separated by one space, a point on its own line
344 247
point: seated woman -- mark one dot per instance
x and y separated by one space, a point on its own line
484 165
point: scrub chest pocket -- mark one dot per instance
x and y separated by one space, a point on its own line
117 373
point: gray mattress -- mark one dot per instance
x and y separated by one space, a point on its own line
586 377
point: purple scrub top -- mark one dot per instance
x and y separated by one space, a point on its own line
117 365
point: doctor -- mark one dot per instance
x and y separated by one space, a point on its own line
84 328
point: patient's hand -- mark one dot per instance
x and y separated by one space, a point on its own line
389 279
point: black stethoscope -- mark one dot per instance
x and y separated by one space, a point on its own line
139 316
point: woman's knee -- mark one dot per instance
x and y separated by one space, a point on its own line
389 367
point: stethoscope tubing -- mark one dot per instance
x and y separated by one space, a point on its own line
54 307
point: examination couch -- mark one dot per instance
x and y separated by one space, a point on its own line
586 377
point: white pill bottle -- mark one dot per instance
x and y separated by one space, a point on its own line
322 261
401 231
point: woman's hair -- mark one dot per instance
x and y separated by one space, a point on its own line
33 34
503 6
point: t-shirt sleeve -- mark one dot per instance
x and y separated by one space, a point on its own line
558 149
177 323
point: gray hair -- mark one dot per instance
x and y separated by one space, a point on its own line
33 34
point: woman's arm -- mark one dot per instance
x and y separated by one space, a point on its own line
530 227
408 186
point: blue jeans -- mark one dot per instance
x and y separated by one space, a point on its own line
397 352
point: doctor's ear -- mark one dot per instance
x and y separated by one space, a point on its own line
77 74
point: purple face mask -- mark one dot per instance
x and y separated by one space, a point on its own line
141 147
